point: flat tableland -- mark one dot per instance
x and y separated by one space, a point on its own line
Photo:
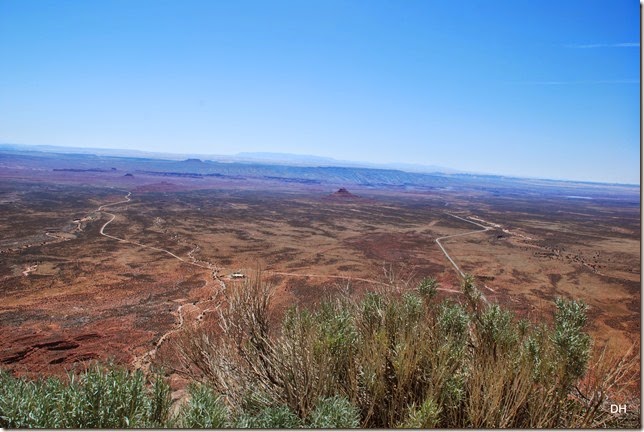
81 279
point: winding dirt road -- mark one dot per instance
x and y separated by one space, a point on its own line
438 240
144 361
458 270
128 199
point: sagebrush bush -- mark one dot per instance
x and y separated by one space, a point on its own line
424 417
393 358
269 417
427 288
402 359
333 412
204 409
98 398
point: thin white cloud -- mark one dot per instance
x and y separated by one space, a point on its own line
605 45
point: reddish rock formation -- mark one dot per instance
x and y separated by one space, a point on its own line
343 193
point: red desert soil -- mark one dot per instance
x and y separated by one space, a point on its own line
160 187
71 294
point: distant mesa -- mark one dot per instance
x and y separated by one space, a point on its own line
193 160
128 175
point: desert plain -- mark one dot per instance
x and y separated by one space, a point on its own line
113 263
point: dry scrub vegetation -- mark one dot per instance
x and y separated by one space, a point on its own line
402 359
393 358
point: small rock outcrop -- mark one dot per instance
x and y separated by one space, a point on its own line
343 193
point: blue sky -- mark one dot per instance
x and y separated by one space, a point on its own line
528 88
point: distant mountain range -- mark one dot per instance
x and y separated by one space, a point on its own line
282 166
310 160
250 157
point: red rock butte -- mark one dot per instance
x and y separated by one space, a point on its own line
343 193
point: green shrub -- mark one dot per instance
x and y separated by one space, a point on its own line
204 409
270 417
158 404
573 345
427 288
453 322
97 398
424 417
498 333
333 412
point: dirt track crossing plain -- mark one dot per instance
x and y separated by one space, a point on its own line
110 269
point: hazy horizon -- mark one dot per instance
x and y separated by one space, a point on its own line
524 89
291 159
